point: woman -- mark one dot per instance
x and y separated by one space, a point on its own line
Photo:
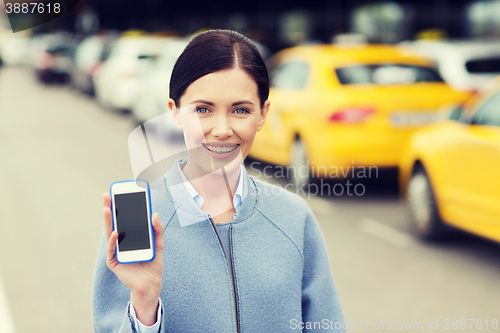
234 254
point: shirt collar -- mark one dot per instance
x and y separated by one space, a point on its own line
238 197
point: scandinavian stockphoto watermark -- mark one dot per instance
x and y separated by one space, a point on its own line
364 324
322 186
152 156
333 171
328 324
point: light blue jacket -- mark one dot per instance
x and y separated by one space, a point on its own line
282 279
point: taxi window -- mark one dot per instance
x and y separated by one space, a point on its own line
386 74
483 66
291 75
489 113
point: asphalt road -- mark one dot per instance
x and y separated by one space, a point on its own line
60 151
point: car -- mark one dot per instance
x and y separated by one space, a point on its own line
54 64
40 43
449 172
339 107
116 81
463 64
89 55
152 97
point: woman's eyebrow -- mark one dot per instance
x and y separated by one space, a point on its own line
203 102
241 102
212 104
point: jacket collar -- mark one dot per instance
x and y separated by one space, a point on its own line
187 210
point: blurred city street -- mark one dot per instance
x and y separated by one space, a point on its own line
60 150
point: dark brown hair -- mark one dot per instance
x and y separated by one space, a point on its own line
215 50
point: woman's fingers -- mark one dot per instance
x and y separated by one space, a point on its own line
106 200
108 222
108 231
111 259
158 232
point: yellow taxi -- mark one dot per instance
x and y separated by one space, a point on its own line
450 171
340 107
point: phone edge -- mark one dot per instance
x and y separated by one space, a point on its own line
152 233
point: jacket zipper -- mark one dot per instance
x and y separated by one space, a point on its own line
233 280
236 306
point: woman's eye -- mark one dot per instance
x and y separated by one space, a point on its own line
202 110
241 111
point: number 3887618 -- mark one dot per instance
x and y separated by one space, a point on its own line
33 8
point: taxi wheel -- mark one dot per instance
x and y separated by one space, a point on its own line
424 215
300 174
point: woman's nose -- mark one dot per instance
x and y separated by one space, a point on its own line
222 127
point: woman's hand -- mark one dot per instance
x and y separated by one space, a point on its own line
144 279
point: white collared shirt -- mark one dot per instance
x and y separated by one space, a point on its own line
237 198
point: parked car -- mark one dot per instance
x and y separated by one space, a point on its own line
449 172
153 95
89 55
463 64
40 43
116 81
54 64
334 107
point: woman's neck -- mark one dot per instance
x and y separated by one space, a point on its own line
217 188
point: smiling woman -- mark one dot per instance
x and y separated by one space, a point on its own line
232 255
214 120
225 125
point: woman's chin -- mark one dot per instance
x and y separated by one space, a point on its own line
228 164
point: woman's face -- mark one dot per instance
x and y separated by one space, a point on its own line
220 114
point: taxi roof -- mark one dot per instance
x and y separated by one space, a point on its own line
343 55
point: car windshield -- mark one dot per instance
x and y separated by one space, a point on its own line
60 50
483 66
386 74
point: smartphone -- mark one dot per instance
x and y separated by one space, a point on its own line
131 213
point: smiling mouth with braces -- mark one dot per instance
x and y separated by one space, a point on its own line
220 149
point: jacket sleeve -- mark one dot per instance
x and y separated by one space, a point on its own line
110 299
320 298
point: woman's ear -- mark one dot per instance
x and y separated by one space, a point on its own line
263 114
175 113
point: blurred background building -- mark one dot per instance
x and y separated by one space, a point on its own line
279 24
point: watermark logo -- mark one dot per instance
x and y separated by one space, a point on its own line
26 14
152 156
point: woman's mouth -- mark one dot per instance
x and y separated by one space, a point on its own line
220 149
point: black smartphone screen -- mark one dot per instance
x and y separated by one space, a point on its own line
132 221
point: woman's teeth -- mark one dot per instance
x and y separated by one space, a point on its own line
221 149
